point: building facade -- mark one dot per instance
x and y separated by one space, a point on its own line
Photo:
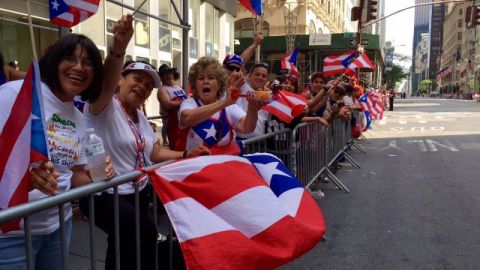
436 38
420 26
453 41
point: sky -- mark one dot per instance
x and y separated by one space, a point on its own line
400 26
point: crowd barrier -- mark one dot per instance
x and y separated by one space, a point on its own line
309 151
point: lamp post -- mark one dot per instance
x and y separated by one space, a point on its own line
291 17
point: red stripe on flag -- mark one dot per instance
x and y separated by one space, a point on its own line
209 180
16 121
280 243
19 196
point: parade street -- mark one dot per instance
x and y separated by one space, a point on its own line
414 203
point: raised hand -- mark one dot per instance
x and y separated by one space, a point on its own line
123 32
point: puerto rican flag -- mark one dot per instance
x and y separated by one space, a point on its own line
286 106
335 64
68 13
288 62
22 141
369 104
237 213
360 62
254 6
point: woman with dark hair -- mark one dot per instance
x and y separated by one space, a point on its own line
72 66
170 95
211 115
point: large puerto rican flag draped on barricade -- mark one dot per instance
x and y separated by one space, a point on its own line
237 213
68 13
286 106
22 141
336 64
289 61
254 6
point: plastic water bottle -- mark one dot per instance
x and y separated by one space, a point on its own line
95 153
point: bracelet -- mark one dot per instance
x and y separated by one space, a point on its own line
115 54
184 155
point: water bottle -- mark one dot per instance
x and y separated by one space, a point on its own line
95 153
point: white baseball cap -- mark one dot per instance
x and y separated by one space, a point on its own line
140 66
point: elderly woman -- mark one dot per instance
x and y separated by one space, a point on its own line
211 114
130 140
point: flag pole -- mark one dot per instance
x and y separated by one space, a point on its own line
259 28
138 8
30 28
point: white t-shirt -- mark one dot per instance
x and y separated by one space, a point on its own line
65 127
234 115
348 100
119 140
242 102
175 92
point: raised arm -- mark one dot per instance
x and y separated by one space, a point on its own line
248 52
123 32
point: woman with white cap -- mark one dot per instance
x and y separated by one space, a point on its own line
131 142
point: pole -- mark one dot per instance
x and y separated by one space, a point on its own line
30 28
259 28
185 47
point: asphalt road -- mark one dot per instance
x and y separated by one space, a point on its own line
415 202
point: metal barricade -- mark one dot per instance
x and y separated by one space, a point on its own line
277 143
27 209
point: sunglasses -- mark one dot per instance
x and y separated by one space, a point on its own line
233 68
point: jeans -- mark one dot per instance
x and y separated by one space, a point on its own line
46 251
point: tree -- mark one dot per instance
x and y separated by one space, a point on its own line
427 86
395 75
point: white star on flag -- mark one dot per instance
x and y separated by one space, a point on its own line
268 170
210 132
55 5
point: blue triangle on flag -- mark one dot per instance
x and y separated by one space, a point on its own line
57 7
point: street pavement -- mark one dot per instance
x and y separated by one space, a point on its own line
414 204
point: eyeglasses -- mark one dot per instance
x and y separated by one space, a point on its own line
233 68
71 60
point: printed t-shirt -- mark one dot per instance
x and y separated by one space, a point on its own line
65 126
233 114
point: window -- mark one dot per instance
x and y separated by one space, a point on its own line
164 30
141 25
459 36
460 11
459 23
228 40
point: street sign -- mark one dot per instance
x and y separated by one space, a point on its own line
364 42
320 39
352 42
351 34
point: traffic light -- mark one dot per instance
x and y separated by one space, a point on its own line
371 10
472 16
356 14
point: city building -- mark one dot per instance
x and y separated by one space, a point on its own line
421 57
453 41
436 38
420 26
332 35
